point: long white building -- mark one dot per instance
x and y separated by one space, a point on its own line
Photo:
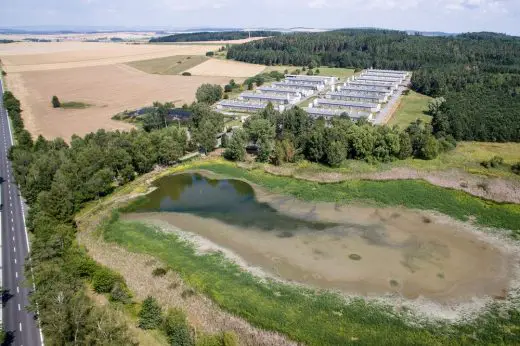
357 96
328 113
348 105
275 99
322 79
300 85
237 105
388 85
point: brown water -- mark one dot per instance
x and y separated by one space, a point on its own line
365 251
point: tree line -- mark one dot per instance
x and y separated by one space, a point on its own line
214 36
293 135
477 73
56 180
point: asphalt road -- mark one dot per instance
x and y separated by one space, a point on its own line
20 324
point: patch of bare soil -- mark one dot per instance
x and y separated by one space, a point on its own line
495 189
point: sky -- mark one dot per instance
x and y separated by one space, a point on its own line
424 15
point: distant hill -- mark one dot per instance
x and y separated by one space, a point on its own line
214 36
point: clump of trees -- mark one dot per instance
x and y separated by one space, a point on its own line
55 102
478 74
205 125
209 93
293 134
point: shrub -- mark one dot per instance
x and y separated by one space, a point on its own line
104 280
159 272
225 97
4 73
150 314
186 74
228 88
495 162
317 71
120 293
55 102
176 328
210 53
516 168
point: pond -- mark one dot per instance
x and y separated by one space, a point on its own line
359 250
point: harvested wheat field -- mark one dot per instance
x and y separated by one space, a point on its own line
227 68
109 89
28 56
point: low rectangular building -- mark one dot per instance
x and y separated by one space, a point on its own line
322 79
366 89
348 105
357 96
389 86
284 91
300 85
275 99
370 78
328 113
236 105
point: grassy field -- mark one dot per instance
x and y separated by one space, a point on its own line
413 106
170 65
318 317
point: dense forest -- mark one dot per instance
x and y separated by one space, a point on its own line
214 36
477 73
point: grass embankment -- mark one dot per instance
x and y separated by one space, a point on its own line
170 65
413 106
74 105
318 317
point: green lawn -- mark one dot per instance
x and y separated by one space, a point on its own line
307 102
413 106
170 65
321 317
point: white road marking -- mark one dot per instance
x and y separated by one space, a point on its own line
14 248
19 309
16 274
20 326
13 237
15 261
17 289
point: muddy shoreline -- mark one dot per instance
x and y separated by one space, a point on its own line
434 269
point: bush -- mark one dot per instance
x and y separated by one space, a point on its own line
210 53
4 73
150 314
228 88
317 71
495 162
516 168
186 74
176 328
120 293
55 102
104 280
159 272
209 93
225 97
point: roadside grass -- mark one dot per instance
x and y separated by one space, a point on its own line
413 106
170 65
415 194
74 105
